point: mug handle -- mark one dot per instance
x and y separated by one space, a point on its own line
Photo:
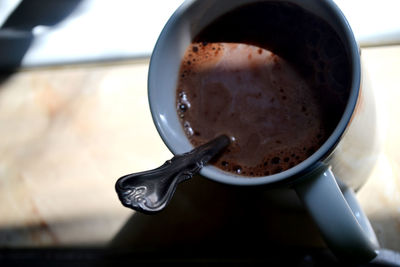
340 219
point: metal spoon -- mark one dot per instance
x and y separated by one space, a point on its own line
150 191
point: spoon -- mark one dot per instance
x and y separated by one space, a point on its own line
150 191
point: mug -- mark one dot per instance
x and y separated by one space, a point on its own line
329 199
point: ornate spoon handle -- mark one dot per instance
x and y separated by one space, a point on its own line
150 191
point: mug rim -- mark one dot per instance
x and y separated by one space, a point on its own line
218 175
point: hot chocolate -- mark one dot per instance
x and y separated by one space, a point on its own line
275 84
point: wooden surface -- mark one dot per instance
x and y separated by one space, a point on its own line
67 133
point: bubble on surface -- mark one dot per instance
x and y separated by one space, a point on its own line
275 160
188 129
237 169
183 107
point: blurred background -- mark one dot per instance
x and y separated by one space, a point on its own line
74 117
71 31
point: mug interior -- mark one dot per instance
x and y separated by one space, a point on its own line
187 21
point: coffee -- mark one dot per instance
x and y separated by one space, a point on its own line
276 83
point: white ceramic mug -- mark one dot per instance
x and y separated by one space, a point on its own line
334 208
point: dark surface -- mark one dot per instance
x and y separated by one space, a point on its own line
227 225
104 257
283 256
